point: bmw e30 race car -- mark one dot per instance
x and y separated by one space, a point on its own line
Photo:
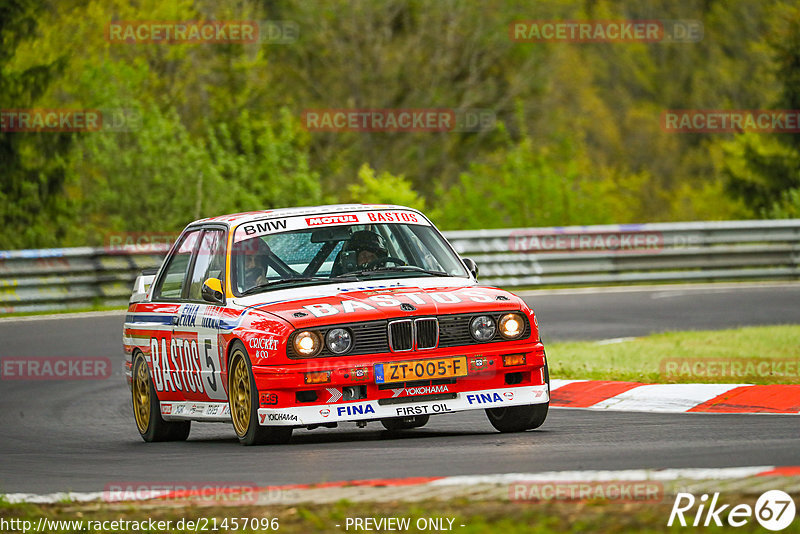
308 317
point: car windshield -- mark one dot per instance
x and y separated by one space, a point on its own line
352 252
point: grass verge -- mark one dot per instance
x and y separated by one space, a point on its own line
756 355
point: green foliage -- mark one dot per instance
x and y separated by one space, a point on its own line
786 207
264 164
764 170
384 189
761 170
525 185
160 178
33 166
577 137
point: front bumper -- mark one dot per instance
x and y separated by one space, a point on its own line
373 409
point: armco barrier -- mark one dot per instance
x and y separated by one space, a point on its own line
68 278
55 279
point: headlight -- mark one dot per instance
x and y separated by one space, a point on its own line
482 328
339 340
307 343
511 325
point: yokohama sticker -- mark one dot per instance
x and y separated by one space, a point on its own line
421 390
266 417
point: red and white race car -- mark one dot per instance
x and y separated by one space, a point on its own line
308 317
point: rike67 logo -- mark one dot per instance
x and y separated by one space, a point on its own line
774 510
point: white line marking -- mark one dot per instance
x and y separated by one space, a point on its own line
55 316
665 398
597 476
657 288
614 340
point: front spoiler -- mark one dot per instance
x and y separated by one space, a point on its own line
370 409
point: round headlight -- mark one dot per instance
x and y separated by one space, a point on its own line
307 343
482 328
339 340
511 325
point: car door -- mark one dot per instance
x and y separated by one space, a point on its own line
166 366
196 330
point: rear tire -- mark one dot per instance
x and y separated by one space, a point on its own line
521 418
405 423
147 408
243 401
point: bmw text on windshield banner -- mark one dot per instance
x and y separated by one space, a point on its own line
287 224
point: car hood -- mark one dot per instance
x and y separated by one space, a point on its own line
382 299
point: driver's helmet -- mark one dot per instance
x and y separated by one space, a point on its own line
366 240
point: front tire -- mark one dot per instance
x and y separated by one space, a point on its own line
521 418
243 400
147 408
518 418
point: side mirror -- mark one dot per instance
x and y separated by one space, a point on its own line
471 266
212 291
142 285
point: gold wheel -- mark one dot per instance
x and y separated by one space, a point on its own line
141 396
240 396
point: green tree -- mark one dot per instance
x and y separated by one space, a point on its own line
32 208
764 169
384 188
160 177
525 185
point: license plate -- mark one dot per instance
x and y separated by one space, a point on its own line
420 370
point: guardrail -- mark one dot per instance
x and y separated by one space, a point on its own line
56 279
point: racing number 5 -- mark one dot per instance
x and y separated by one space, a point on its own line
211 366
212 381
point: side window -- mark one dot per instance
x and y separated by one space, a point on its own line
171 284
210 262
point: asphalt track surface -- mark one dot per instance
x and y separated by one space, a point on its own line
80 435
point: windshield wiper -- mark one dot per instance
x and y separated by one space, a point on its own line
397 269
284 281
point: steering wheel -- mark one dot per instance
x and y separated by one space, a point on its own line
377 262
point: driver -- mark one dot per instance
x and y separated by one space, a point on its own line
368 246
255 253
